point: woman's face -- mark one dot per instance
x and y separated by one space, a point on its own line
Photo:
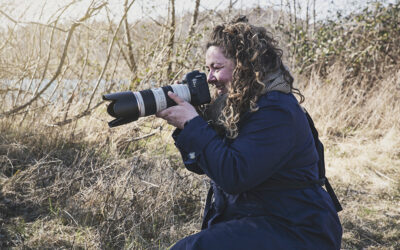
220 69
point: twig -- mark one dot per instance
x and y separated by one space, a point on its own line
89 111
171 39
87 15
11 33
143 136
108 54
8 17
191 30
70 99
129 40
32 22
46 25
47 60
382 175
76 223
149 183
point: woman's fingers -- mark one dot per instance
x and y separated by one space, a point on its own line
177 115
176 98
163 113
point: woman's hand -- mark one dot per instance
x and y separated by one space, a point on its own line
179 114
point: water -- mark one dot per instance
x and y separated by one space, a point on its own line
58 89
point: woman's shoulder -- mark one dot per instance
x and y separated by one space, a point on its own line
277 98
273 106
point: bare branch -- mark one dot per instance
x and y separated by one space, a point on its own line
8 17
88 111
194 18
215 12
231 4
314 17
11 33
191 30
71 98
144 136
45 25
47 61
171 40
108 54
89 13
50 25
132 62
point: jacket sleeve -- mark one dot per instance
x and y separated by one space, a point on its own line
188 158
264 144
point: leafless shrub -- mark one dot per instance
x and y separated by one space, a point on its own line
69 181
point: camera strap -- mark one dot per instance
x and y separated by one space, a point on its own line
321 163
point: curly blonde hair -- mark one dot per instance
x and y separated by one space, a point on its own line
256 55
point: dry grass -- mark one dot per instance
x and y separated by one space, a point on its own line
361 133
95 189
69 181
87 186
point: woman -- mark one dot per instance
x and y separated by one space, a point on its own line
256 145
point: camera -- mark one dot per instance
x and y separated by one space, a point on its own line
128 106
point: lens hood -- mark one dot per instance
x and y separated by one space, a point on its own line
123 107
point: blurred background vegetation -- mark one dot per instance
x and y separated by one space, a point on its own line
69 181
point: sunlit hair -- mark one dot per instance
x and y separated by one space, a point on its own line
256 55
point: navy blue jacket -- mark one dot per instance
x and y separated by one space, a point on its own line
275 145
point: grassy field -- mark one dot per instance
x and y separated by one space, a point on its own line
67 181
86 186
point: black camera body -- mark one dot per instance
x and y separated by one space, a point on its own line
128 106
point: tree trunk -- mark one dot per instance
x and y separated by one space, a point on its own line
171 37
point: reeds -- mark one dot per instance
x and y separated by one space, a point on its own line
69 181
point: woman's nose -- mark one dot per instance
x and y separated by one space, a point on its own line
211 77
